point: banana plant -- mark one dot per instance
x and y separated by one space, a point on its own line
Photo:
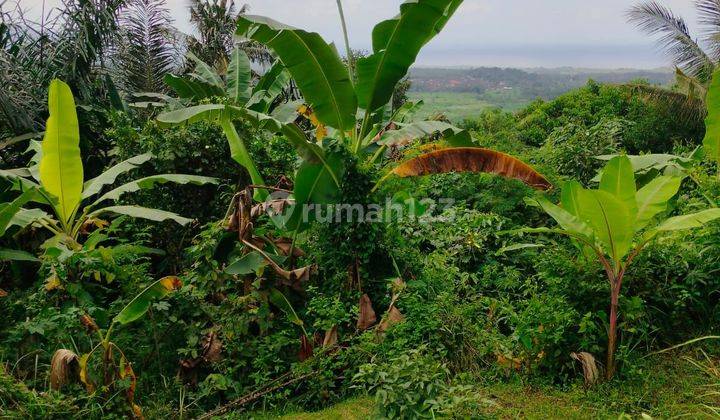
354 109
616 222
236 89
56 180
133 311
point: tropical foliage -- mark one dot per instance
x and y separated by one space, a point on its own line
324 243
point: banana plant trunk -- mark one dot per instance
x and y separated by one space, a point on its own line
615 285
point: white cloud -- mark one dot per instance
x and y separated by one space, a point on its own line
478 24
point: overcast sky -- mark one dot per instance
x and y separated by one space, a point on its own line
520 33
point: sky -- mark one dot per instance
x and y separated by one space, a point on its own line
504 33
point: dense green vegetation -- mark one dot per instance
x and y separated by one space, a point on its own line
290 236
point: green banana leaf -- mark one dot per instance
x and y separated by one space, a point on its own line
8 211
652 199
141 303
618 179
187 88
61 170
314 64
108 177
151 182
239 76
711 143
142 213
396 45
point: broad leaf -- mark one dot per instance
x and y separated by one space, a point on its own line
566 220
187 88
618 179
570 197
271 85
315 182
151 182
610 220
247 264
711 143
142 213
653 198
8 211
193 114
477 160
26 217
16 255
689 221
61 170
396 44
239 76
279 300
407 133
204 72
108 177
314 64
141 303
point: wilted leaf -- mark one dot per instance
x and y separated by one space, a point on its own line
591 373
89 323
469 159
367 315
84 377
331 337
60 367
284 245
3 293
212 347
393 317
306 348
53 282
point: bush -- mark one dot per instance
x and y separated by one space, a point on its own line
412 385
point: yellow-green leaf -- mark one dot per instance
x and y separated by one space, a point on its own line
61 170
712 122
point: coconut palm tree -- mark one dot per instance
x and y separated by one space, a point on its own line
695 60
215 22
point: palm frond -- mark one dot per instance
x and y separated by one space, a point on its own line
147 51
709 18
675 38
215 22
689 108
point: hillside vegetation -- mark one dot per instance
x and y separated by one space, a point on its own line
254 222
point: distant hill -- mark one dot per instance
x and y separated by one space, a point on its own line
461 93
531 83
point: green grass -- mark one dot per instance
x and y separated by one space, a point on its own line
669 387
458 106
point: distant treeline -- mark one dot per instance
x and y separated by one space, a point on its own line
544 83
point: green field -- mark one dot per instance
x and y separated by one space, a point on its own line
458 106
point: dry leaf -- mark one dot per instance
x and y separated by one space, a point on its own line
367 315
89 323
212 347
331 337
591 372
470 159
53 282
3 293
306 348
509 362
393 317
84 377
284 245
60 366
